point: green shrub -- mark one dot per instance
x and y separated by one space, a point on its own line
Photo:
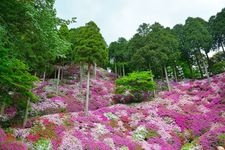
136 84
218 67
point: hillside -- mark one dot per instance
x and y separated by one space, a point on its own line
189 116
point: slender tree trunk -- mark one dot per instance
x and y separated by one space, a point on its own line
199 66
26 113
167 79
95 72
81 76
2 109
88 90
35 74
207 73
222 48
154 93
116 69
58 79
123 70
208 60
43 80
175 72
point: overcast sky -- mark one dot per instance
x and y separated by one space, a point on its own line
121 18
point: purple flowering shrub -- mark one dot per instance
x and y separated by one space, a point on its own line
213 138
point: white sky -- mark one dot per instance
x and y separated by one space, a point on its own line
121 18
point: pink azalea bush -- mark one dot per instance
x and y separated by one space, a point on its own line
8 142
71 98
193 112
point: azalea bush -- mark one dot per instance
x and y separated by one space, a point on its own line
190 116
135 86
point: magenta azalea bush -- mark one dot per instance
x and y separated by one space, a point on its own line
192 113
71 97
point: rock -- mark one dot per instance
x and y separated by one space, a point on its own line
220 148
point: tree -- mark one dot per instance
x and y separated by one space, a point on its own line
32 28
198 39
186 57
118 55
15 80
90 49
217 29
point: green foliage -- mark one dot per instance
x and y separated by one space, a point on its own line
89 45
217 29
15 80
136 84
136 81
42 144
32 33
218 67
221 139
188 146
218 63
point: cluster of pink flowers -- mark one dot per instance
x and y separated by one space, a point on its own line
193 112
71 98
8 141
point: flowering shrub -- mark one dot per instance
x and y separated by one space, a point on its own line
71 97
8 142
192 112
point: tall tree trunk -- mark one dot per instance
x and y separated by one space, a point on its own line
154 93
81 76
116 69
88 90
58 79
35 74
167 79
208 60
222 48
207 73
26 113
95 71
123 70
2 109
199 66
